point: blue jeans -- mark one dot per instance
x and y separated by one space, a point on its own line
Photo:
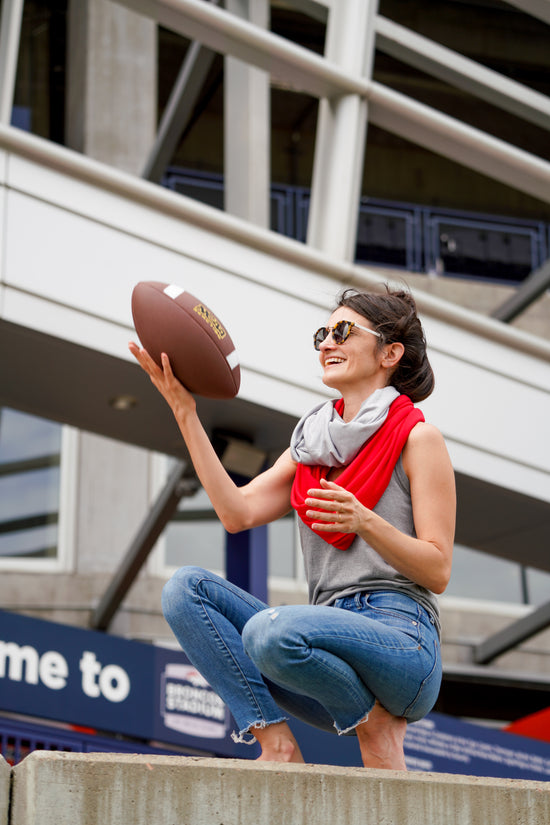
323 665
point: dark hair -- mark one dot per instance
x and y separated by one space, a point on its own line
393 315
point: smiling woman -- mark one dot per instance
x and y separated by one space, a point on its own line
373 487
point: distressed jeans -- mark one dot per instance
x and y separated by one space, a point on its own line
323 665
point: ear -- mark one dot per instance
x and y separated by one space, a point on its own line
392 354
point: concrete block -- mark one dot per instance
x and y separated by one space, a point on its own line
116 789
5 779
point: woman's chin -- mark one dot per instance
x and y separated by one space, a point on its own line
330 381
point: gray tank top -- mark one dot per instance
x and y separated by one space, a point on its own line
333 574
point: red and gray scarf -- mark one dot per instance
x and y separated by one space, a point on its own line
369 472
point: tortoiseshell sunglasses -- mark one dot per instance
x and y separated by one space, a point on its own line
340 332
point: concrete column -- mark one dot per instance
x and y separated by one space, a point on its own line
4 791
341 134
112 83
247 127
10 33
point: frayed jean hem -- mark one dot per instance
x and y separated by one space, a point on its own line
239 738
351 730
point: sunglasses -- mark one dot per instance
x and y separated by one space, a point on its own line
340 332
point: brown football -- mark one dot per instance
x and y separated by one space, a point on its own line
202 355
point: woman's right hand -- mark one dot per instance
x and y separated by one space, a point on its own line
174 393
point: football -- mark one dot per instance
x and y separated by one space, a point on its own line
169 319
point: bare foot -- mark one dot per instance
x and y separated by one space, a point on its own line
381 740
277 743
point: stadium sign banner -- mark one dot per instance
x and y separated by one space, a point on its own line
116 686
83 677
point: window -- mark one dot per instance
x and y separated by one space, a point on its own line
478 575
31 471
195 536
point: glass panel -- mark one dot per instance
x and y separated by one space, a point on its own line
195 542
480 576
538 586
381 237
29 485
195 535
282 551
39 104
502 253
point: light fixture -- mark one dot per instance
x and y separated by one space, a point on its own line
238 455
122 402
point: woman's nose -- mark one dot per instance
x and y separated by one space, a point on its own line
328 343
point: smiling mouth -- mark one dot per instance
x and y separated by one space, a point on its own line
333 361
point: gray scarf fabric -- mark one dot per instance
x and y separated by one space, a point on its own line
323 437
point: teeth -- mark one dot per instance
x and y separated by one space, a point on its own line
334 361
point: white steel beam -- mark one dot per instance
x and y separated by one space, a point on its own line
536 8
388 109
462 143
341 134
290 65
10 32
466 74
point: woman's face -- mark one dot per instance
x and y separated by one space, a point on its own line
357 360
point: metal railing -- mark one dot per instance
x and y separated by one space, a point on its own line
18 739
404 235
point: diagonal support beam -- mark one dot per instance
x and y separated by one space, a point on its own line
536 8
513 635
177 486
178 111
459 71
464 144
532 288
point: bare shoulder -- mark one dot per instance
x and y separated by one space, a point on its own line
425 435
426 444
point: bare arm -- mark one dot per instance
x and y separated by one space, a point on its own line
264 499
425 559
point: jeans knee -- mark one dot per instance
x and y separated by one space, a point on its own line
176 589
263 638
253 636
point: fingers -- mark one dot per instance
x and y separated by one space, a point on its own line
142 357
149 364
333 508
326 511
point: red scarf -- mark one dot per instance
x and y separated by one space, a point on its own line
369 473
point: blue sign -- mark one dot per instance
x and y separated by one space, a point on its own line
447 745
83 677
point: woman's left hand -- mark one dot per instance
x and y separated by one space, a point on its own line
336 510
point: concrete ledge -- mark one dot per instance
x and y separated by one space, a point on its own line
5 780
116 789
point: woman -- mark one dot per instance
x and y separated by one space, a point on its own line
373 486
